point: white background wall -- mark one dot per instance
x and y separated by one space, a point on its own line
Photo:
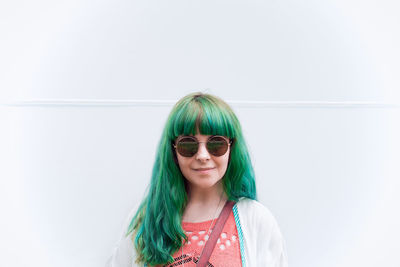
86 86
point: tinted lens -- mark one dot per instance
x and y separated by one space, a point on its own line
217 146
187 146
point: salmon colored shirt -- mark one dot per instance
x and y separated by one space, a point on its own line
226 252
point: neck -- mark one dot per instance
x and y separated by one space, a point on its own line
206 196
204 204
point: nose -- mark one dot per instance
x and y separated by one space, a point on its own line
202 153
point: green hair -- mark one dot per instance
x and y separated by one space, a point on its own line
156 226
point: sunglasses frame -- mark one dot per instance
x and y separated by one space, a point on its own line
229 141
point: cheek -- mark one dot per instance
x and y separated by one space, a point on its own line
223 163
182 163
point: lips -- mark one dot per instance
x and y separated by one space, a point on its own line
203 169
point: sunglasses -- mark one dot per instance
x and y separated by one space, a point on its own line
216 145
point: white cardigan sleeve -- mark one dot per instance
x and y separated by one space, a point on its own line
277 248
124 253
264 244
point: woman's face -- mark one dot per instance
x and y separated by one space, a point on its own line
192 168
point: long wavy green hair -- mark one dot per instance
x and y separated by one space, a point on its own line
156 227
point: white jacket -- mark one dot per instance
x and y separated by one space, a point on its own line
260 240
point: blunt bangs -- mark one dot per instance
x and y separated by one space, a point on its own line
209 115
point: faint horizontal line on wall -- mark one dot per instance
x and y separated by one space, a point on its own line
236 103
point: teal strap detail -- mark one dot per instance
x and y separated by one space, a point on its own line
240 233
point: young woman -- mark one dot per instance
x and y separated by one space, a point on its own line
202 165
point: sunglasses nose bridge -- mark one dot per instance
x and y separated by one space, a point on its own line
202 151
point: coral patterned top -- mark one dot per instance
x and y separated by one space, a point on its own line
226 252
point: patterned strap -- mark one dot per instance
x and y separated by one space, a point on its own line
212 241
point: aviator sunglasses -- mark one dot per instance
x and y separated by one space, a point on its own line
216 145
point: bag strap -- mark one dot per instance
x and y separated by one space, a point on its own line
212 241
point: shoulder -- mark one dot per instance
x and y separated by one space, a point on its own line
251 203
255 211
